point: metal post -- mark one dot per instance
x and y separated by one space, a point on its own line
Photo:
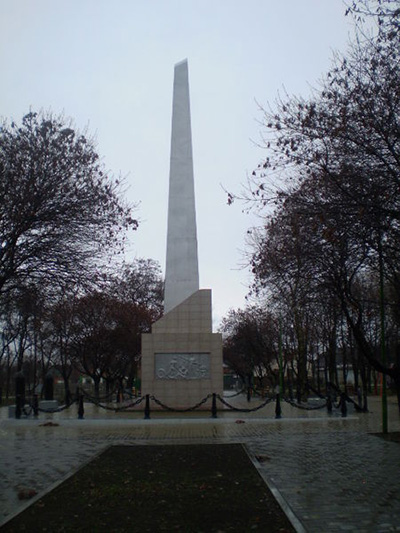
18 409
278 410
359 397
81 410
248 378
20 388
329 403
365 402
280 358
35 405
343 405
49 386
214 406
147 408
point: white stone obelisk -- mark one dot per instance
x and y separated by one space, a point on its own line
182 270
181 361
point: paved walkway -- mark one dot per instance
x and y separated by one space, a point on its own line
330 474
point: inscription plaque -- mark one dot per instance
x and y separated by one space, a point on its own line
182 365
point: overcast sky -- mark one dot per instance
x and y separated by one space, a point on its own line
109 65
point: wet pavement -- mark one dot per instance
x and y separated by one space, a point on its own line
329 473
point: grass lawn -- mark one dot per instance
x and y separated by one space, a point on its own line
187 488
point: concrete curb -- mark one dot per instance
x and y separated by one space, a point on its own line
298 526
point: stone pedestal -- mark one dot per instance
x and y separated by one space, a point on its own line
48 405
182 357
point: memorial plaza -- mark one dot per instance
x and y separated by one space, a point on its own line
329 473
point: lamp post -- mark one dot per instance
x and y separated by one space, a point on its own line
383 341
280 358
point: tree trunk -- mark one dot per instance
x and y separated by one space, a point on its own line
67 390
302 373
364 381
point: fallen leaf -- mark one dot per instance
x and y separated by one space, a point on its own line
262 458
26 494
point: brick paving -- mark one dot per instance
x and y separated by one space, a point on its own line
330 474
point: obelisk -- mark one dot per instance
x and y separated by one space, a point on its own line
181 364
182 271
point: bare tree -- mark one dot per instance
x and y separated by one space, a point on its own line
60 212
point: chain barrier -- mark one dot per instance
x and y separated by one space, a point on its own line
32 406
98 404
172 409
319 394
343 399
304 407
242 410
128 393
117 409
58 409
100 398
129 405
357 407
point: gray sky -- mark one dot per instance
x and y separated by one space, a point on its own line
109 65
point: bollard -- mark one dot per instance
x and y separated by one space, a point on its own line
359 397
291 397
248 394
278 410
343 404
81 410
329 404
49 386
18 406
147 408
214 406
35 405
365 402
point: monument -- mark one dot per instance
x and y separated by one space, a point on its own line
182 357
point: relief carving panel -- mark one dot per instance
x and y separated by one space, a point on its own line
182 366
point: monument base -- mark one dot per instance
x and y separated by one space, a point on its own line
48 405
182 358
11 411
